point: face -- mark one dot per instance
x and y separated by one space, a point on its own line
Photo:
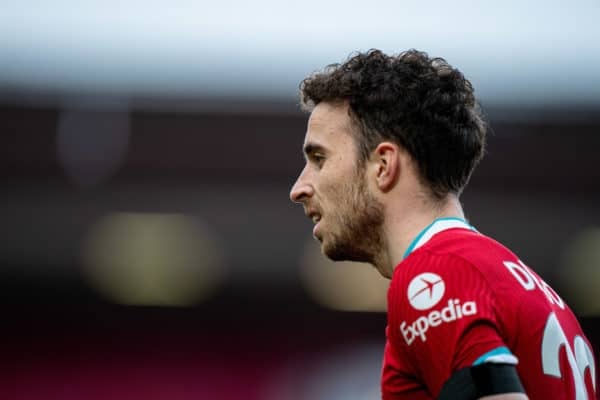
333 190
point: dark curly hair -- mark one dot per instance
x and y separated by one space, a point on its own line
420 103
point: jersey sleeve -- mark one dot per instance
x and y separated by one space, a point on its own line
443 316
397 384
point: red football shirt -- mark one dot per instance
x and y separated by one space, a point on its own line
459 299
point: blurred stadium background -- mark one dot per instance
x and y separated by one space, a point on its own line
148 249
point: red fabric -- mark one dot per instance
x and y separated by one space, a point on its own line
492 307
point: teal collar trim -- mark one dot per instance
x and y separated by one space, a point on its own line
437 226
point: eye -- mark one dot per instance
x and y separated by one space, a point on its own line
318 159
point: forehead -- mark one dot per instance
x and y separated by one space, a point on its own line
330 126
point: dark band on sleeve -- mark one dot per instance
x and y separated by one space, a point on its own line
486 379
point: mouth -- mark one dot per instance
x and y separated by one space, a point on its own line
313 215
315 218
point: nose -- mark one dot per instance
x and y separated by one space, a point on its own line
302 189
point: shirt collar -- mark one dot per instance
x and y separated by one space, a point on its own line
437 226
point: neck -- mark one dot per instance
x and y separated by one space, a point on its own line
403 226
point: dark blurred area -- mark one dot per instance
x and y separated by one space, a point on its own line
155 254
148 247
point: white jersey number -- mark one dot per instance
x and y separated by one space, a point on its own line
580 356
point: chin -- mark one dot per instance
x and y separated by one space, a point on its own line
345 252
334 255
329 250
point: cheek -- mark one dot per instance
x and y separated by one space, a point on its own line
340 192
342 200
333 192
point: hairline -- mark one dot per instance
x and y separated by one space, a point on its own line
362 151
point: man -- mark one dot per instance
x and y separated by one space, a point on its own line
390 144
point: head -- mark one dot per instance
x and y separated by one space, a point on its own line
418 104
333 188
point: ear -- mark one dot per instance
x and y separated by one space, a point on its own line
386 161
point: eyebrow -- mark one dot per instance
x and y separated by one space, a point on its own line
311 148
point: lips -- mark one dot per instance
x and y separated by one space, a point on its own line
315 216
314 232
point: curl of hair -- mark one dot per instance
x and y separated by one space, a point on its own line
421 103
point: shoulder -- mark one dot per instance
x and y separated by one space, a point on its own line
451 253
458 253
456 267
471 246
429 278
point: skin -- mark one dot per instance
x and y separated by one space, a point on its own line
369 211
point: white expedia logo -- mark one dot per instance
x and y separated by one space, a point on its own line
426 290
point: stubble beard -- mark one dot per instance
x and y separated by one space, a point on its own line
360 219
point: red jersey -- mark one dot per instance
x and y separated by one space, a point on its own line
459 299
